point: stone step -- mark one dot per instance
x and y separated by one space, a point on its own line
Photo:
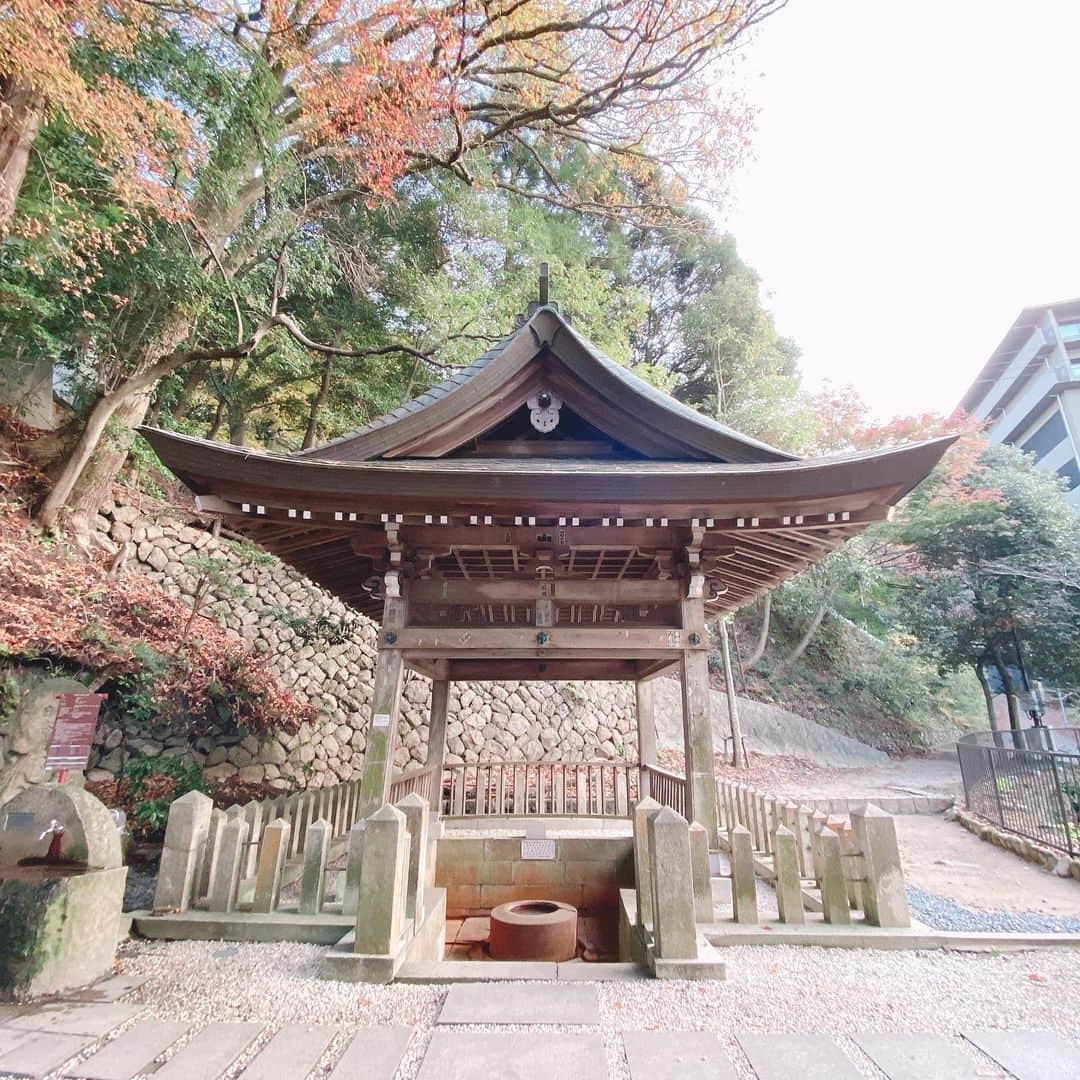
40 1053
809 1057
464 971
1030 1055
75 1019
374 1054
132 1053
677 1055
210 1052
917 1056
291 1054
516 1003
455 1055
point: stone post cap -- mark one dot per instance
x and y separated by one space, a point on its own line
696 827
783 830
414 798
279 823
869 810
740 830
234 811
239 824
648 803
387 813
195 799
827 834
320 823
667 818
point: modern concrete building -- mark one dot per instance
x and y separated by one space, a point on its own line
1029 390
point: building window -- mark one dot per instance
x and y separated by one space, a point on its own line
1070 473
1047 437
1070 331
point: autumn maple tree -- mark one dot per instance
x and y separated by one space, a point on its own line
324 105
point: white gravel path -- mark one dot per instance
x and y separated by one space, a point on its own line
768 990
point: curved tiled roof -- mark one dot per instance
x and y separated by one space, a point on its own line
708 430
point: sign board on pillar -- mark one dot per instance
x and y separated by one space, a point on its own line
73 732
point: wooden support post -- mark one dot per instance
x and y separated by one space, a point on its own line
385 707
698 742
646 732
436 747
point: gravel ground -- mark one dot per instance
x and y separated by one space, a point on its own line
945 914
769 990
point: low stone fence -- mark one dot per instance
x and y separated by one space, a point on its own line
836 864
212 858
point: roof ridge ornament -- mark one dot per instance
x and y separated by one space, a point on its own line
543 296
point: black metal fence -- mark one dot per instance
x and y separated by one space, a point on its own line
1026 781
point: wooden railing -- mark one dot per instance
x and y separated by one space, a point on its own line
421 781
668 789
539 788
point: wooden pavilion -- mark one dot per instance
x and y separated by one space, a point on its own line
544 514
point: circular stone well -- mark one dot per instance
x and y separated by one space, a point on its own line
534 930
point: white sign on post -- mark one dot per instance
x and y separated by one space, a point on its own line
382 719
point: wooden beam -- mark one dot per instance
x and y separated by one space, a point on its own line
567 591
542 670
458 641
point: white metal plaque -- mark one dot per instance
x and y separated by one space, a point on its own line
382 719
539 849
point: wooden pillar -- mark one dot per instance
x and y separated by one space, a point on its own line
646 732
738 758
436 747
385 709
697 721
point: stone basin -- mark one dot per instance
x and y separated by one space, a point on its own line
534 930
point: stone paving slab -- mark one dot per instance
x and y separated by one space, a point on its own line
677 1055
917 1056
374 1054
11 1037
459 1055
111 989
1030 1055
76 1019
519 1003
291 1054
131 1053
808 1057
210 1052
42 1052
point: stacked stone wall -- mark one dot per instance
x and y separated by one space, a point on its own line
486 722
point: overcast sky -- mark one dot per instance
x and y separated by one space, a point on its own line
915 183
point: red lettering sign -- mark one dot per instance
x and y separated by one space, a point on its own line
73 732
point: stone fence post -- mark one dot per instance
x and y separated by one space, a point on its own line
671 881
313 880
788 882
182 855
383 883
644 810
273 851
743 883
225 880
884 894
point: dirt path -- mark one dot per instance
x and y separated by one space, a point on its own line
942 857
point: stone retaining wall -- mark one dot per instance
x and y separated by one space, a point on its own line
495 721
1048 858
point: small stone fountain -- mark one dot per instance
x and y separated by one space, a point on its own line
61 890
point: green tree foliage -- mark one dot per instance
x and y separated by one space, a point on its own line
993 549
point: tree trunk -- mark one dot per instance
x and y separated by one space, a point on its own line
23 111
988 696
1012 699
811 630
237 422
86 478
318 403
219 419
762 642
182 405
